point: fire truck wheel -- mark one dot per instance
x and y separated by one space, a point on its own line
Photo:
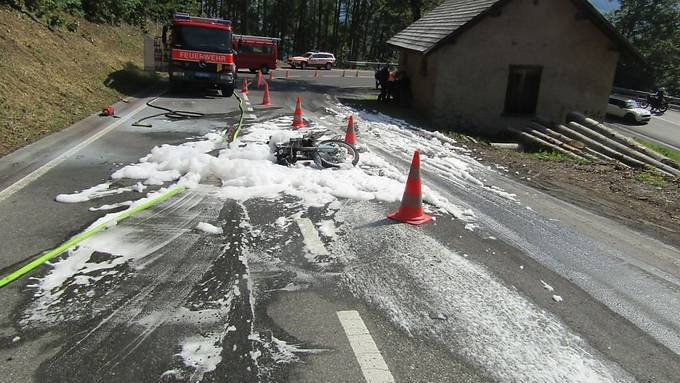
227 91
264 69
303 65
328 66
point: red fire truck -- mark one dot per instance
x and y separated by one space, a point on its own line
197 50
256 52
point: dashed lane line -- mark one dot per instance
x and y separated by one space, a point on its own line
311 237
34 175
370 360
249 106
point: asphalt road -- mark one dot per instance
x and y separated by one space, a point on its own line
663 129
274 298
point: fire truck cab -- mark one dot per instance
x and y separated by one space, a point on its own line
197 50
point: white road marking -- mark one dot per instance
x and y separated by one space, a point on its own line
668 121
250 108
370 360
646 137
311 237
251 117
34 175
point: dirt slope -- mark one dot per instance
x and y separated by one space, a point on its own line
50 79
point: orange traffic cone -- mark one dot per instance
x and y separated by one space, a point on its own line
286 74
244 87
411 209
259 79
297 117
350 136
265 100
271 75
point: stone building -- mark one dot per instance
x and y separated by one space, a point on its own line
488 64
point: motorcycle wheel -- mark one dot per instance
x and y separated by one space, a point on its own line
335 153
663 107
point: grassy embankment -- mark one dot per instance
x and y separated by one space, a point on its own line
50 79
654 178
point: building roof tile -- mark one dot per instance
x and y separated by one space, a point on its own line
453 16
426 32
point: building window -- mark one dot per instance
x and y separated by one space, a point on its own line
524 82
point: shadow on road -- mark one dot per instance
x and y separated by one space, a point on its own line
379 223
622 121
132 79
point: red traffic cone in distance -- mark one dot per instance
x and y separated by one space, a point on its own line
271 75
259 79
350 135
298 122
244 87
286 74
265 99
411 209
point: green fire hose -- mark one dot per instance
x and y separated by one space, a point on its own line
87 234
120 217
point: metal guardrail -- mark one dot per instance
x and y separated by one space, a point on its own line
369 63
640 95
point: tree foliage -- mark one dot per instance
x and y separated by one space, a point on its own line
352 29
653 27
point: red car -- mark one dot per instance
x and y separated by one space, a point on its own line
256 52
313 59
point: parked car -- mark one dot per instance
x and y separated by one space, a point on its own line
313 59
256 52
628 108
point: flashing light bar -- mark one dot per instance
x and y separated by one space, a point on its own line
186 16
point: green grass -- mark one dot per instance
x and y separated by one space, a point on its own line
670 153
651 178
547 155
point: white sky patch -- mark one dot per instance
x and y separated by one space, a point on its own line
208 228
98 191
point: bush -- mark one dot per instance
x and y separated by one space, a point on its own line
55 21
73 26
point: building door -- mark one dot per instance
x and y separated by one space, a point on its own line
524 82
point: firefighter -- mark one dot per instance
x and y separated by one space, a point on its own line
383 77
